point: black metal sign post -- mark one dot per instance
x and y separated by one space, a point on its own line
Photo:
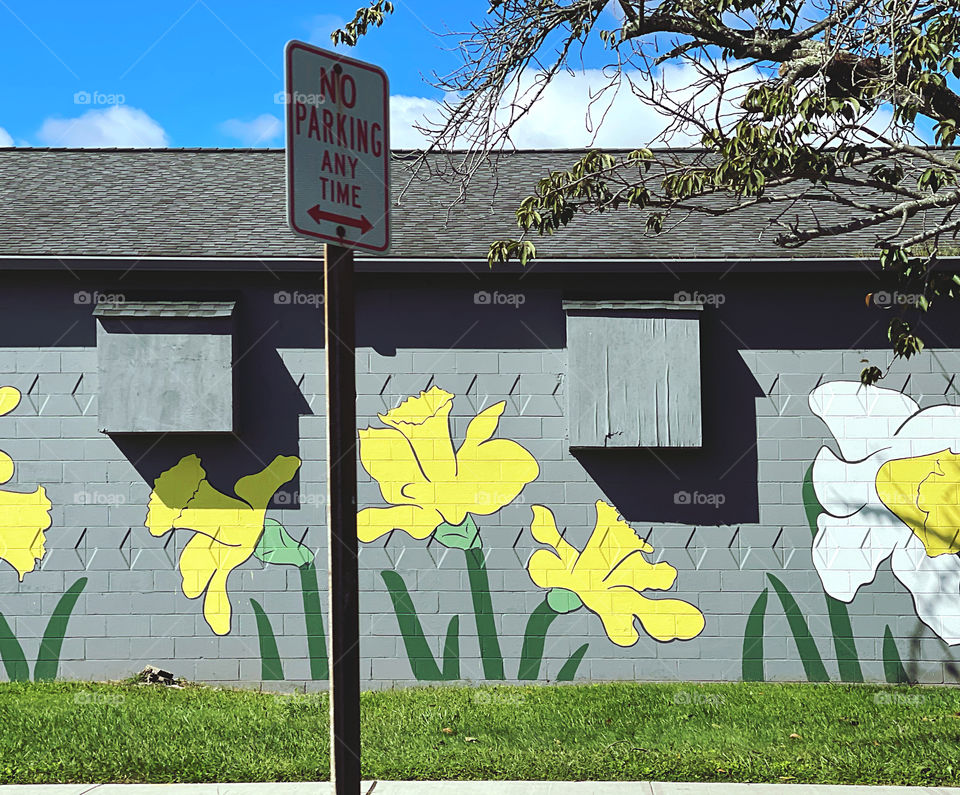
343 579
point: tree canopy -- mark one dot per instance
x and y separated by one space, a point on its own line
793 105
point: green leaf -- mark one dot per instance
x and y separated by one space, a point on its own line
563 600
534 638
451 651
569 669
806 646
277 546
48 658
14 660
490 653
462 536
313 618
271 666
422 662
893 669
752 666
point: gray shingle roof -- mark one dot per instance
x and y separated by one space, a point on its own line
231 204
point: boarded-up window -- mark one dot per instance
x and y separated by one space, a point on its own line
165 367
633 375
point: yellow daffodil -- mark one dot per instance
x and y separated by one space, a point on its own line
226 529
609 577
429 483
23 517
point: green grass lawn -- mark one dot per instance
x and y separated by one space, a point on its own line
68 732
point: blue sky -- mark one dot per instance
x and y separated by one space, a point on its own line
190 72
208 72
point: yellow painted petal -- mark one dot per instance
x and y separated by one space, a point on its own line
924 492
216 604
257 490
6 467
425 421
9 399
483 426
23 518
489 477
550 569
662 619
372 523
387 456
172 490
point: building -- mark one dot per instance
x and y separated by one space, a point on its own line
636 459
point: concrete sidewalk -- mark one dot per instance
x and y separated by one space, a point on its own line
471 788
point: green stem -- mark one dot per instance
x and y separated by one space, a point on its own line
271 666
313 616
753 640
422 662
14 660
451 651
569 670
483 613
531 655
806 646
893 669
48 657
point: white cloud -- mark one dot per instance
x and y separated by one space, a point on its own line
256 132
572 112
117 125
405 112
5 139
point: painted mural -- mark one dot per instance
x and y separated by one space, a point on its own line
435 490
24 516
226 530
884 488
892 493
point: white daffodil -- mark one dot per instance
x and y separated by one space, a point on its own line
894 492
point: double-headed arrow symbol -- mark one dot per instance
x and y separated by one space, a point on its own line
319 215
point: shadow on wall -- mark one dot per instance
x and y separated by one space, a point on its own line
268 404
715 484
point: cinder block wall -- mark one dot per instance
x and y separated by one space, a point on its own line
742 551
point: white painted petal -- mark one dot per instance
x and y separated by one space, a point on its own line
934 584
848 550
844 487
930 431
862 419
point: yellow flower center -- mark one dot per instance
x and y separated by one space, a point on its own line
924 492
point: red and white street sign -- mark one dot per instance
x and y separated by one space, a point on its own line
338 148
